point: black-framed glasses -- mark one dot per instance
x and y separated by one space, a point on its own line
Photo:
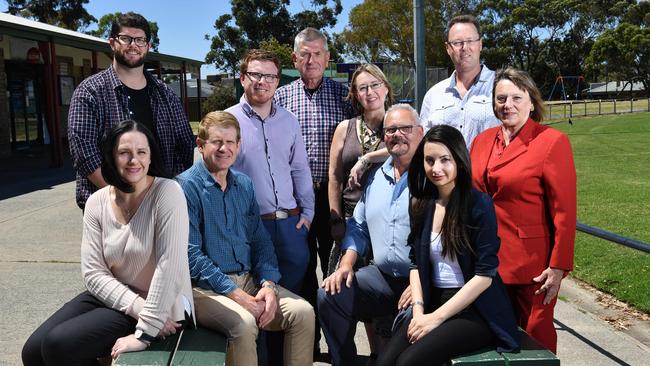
459 44
258 76
405 130
364 88
127 40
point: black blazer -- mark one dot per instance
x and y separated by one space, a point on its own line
493 304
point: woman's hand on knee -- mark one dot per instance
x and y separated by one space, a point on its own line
127 344
421 325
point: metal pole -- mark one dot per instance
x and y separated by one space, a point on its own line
420 66
600 233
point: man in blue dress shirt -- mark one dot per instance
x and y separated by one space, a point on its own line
381 221
231 257
273 154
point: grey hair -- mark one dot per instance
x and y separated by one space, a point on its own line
403 107
309 34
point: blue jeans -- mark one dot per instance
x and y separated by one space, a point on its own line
292 250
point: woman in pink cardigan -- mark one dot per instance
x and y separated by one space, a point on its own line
133 260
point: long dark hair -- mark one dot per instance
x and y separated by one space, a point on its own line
108 143
454 233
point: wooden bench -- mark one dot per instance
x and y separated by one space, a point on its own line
192 347
532 353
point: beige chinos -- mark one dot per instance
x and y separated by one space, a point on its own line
294 316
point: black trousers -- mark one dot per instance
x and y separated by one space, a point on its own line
463 333
77 334
320 245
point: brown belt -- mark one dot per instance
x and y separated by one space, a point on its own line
281 214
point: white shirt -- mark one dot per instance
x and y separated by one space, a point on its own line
446 272
471 114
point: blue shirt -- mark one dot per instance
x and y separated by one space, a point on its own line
273 155
381 219
471 114
226 231
319 112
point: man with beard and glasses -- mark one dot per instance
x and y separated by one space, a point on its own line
125 91
381 222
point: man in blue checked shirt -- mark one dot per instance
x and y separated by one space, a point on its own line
125 91
232 260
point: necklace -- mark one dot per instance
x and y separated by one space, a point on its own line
369 139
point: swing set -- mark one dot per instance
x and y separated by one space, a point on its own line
560 85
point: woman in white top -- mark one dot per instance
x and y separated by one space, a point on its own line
133 260
459 303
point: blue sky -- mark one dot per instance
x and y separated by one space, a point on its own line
183 24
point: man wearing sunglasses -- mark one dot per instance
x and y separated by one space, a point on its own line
125 91
464 100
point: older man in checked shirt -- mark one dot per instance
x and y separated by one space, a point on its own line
320 105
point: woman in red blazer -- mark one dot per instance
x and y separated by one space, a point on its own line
528 170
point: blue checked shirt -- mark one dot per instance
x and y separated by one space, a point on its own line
471 114
226 231
100 102
318 114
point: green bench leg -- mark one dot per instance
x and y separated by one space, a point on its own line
159 353
200 347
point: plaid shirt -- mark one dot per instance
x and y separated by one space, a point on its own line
226 231
318 114
100 102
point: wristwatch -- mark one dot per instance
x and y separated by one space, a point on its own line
144 337
272 286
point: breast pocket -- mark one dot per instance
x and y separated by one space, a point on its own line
442 114
482 108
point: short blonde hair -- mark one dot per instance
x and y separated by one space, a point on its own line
375 71
219 119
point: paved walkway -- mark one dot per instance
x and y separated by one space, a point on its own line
40 233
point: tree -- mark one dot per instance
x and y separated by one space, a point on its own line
255 21
283 51
544 37
69 14
382 30
105 23
223 96
625 50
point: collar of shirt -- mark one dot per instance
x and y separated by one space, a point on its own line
388 169
208 179
250 112
313 92
481 78
117 84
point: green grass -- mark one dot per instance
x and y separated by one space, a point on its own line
612 156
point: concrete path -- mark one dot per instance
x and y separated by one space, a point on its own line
40 233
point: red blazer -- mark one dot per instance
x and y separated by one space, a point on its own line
533 186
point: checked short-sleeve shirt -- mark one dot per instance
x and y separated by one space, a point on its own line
319 114
100 102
